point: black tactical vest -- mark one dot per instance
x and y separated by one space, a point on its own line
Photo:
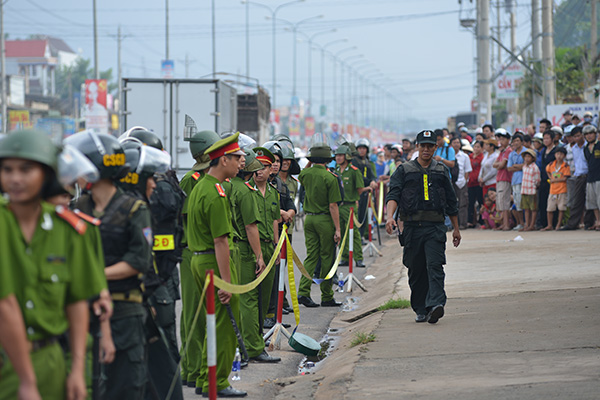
114 231
423 190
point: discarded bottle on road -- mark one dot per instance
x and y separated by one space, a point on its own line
235 369
341 282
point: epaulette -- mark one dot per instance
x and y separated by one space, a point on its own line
196 175
220 190
228 180
250 186
296 179
88 218
72 219
273 185
353 167
332 173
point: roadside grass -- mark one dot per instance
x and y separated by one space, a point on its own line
362 338
394 303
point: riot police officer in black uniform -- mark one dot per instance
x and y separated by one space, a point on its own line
420 195
367 170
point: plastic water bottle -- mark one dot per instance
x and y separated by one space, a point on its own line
235 369
341 282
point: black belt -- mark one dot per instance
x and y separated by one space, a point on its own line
309 213
41 343
348 203
199 253
266 241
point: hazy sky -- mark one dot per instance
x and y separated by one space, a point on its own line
418 45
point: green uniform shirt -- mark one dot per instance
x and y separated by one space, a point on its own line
268 209
292 184
321 189
352 181
187 183
57 268
244 210
209 215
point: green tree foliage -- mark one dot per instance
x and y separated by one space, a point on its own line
570 73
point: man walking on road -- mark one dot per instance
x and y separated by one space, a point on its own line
421 190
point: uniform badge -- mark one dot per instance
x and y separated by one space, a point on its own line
220 190
148 235
427 134
196 175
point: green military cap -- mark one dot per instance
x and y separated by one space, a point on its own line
264 155
252 164
345 150
30 145
225 147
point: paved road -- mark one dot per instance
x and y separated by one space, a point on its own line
261 380
521 322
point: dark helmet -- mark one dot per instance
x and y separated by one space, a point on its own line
244 141
274 147
144 135
30 145
363 143
345 150
145 161
103 150
287 152
319 153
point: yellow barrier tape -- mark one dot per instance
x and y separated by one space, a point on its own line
300 266
239 289
291 280
339 255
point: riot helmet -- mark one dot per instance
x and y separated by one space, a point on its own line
320 150
145 136
275 148
363 143
104 151
145 161
345 150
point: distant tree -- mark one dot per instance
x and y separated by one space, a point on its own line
572 22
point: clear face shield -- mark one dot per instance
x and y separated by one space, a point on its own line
152 159
74 168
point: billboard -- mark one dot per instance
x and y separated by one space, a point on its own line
96 115
555 113
18 119
506 85
167 68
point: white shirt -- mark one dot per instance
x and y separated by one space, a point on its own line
488 173
464 167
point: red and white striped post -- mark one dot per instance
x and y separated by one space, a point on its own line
370 220
211 336
350 250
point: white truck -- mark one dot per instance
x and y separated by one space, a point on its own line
160 105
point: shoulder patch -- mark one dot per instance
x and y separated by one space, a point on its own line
147 231
332 173
196 175
250 186
227 180
72 219
353 167
220 190
273 185
88 218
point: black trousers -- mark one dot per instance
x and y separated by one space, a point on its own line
475 196
542 218
363 202
578 205
424 256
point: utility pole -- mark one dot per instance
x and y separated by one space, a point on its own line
3 62
548 53
247 42
166 29
498 33
96 71
538 101
484 88
214 43
593 38
119 38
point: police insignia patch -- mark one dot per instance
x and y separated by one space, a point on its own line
148 235
427 134
220 190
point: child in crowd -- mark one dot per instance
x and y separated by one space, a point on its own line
531 181
558 172
490 216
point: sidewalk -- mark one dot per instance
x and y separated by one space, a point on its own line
521 323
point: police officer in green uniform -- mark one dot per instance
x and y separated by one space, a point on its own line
287 212
266 200
57 272
191 360
421 194
353 184
322 225
209 238
367 170
126 235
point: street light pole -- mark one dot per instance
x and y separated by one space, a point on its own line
323 48
335 58
310 43
343 84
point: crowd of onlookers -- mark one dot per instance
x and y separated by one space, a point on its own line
525 181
